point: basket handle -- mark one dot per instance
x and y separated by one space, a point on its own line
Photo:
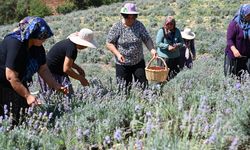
151 60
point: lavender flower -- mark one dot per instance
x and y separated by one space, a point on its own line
148 114
79 134
237 85
118 135
180 103
86 133
5 107
149 127
50 115
138 144
107 140
211 139
234 144
30 110
138 108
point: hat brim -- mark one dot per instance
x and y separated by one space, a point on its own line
75 39
188 37
130 13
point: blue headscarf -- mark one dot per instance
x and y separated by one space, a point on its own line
240 19
32 27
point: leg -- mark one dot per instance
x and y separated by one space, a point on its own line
16 105
139 74
124 77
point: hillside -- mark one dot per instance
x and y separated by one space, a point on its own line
53 4
200 109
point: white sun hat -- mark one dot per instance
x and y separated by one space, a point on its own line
85 38
187 34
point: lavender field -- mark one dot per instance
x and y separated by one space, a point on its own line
200 109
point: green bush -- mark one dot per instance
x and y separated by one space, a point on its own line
67 7
15 10
38 8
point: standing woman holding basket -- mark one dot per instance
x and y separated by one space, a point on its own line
169 42
125 40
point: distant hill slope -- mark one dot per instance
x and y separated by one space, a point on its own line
53 4
208 19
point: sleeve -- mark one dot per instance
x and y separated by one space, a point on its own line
192 46
113 34
71 52
147 40
231 34
179 37
159 40
42 56
15 55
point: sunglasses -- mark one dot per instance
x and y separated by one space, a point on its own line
169 24
130 16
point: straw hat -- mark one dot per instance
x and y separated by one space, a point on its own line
188 34
129 8
85 38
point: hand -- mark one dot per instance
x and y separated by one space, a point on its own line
64 89
171 48
236 53
121 58
84 81
154 53
177 45
33 101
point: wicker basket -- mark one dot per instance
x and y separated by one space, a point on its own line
157 73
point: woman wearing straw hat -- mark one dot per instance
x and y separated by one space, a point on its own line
61 59
169 42
237 52
188 53
125 40
22 55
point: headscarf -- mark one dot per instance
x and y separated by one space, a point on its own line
240 19
169 19
169 34
32 27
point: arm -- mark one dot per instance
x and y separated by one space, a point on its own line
192 46
231 37
12 77
67 68
112 39
111 47
160 42
78 69
45 73
180 39
147 40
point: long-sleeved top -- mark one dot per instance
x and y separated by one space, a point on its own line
163 43
128 41
235 37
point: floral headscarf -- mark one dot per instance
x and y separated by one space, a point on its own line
240 19
32 27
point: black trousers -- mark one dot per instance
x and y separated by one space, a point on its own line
173 65
12 104
236 66
125 75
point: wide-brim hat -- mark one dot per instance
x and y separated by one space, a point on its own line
130 9
85 38
187 34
